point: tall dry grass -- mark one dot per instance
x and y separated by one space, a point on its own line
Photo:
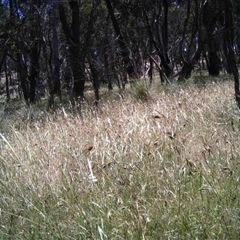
162 167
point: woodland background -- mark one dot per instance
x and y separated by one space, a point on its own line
52 47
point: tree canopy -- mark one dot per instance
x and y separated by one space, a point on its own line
47 47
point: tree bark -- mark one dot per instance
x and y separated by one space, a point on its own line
210 22
78 51
230 51
34 69
190 60
72 35
124 49
56 65
164 66
35 36
7 82
23 76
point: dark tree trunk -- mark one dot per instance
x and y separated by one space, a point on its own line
78 52
76 61
164 68
78 72
187 67
150 71
214 63
186 71
34 51
23 77
34 70
210 22
190 60
226 61
7 81
229 45
123 79
56 88
109 73
54 78
95 70
128 65
164 37
72 35
3 57
88 44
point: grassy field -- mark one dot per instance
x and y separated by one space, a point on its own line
151 163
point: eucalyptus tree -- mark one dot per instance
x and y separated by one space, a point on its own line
143 33
125 50
229 39
212 12
67 42
78 32
156 19
4 14
23 43
54 78
236 20
6 34
191 37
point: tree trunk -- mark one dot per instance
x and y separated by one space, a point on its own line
7 81
210 22
35 36
150 71
3 57
214 63
229 43
186 71
164 69
23 77
54 78
34 71
124 49
72 35
191 60
76 61
164 36
77 53
56 89
95 70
